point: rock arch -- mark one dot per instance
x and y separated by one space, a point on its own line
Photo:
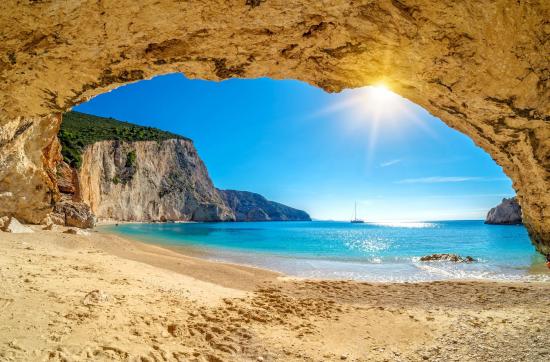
480 66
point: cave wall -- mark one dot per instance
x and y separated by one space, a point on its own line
29 152
480 66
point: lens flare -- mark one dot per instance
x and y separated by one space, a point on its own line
378 103
381 101
375 109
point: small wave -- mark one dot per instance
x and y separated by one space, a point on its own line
459 271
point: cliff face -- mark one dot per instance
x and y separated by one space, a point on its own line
249 206
149 181
146 174
508 212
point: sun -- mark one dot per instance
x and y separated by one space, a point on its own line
372 104
378 102
375 110
369 104
376 113
380 97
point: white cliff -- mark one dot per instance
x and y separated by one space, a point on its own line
149 181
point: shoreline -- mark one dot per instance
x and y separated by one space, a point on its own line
334 269
104 222
181 260
104 297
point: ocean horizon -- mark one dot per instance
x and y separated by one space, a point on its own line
379 252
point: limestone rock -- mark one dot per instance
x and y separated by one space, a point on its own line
508 212
447 257
29 150
4 220
76 232
213 212
256 214
65 179
96 297
76 214
249 206
48 223
169 182
57 219
14 226
49 227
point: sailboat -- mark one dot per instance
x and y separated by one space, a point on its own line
355 219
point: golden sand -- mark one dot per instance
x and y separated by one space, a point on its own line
101 297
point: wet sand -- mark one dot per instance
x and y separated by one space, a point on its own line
102 297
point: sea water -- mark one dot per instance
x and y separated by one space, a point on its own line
369 251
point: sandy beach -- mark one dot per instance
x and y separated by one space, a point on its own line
101 297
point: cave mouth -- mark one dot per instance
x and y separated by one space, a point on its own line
366 145
412 177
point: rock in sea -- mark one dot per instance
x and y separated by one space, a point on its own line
508 212
448 257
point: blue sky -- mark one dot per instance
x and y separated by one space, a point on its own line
320 152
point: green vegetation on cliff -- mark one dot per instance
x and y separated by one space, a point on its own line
79 130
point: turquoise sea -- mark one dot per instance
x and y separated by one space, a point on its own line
370 251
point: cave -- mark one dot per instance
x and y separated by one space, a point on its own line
481 67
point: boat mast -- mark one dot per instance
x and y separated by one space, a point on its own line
355 218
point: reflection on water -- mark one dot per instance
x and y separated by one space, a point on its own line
406 224
370 251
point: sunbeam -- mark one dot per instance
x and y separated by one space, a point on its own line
376 110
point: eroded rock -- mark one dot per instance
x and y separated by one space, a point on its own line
77 214
76 232
66 179
14 226
49 227
29 151
4 220
48 223
96 297
508 212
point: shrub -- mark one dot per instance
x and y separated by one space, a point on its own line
131 159
79 130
